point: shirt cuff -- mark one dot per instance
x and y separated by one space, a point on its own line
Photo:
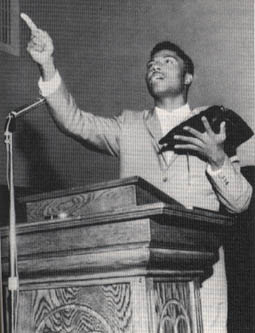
49 87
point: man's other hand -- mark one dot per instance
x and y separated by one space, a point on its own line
209 144
40 47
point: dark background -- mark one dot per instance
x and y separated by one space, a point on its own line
101 48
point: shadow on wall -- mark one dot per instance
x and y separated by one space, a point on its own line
40 173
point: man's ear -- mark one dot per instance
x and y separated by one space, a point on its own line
188 78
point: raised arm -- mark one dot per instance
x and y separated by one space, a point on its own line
96 133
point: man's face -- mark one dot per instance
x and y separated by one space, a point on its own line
165 74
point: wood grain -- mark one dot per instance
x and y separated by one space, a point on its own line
81 204
101 309
117 241
140 307
163 213
172 300
196 307
96 198
116 183
39 262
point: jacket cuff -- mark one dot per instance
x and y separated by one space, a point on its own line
215 172
225 166
225 174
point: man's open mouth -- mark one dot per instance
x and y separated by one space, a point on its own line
157 76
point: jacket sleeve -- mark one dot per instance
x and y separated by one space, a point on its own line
94 132
231 187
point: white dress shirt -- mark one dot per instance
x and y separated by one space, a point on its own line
170 119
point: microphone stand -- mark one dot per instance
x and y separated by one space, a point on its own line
13 281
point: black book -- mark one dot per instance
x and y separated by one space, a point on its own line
237 131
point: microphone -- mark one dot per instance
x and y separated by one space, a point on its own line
21 110
10 125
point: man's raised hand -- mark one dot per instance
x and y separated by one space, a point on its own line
40 47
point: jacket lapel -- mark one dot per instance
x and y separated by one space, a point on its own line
152 124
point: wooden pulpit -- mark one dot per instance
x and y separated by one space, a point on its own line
116 257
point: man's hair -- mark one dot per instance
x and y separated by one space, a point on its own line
167 45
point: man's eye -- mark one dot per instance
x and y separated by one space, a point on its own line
169 60
149 65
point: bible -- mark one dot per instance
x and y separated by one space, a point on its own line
237 131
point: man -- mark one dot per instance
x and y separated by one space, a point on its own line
196 173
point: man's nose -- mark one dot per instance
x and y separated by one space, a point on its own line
156 66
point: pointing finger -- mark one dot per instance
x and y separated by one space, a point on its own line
32 26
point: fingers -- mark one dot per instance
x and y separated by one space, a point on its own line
223 128
41 39
34 47
32 26
40 42
189 139
194 132
187 147
207 126
36 43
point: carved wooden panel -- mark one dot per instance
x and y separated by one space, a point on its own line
173 307
92 309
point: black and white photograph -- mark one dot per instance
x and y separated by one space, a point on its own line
127 166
